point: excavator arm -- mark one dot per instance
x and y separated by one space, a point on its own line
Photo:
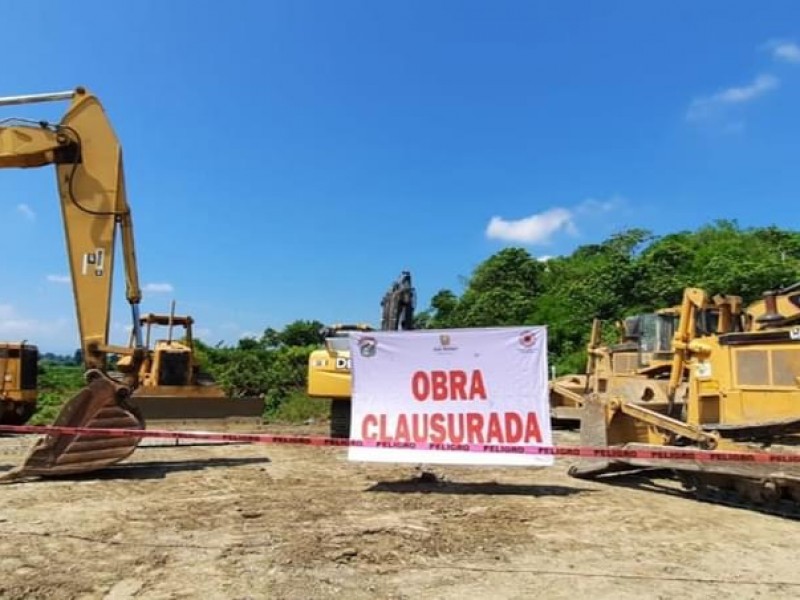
87 158
91 186
398 304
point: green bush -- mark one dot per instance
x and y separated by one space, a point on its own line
57 384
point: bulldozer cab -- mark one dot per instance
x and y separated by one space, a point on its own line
647 338
646 341
169 362
650 332
19 370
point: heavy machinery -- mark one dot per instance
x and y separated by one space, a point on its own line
644 351
87 158
732 385
19 369
787 304
329 374
174 392
645 348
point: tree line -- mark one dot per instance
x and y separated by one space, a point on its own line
630 272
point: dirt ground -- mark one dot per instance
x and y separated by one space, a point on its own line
244 521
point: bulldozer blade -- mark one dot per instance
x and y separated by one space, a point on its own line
185 408
101 404
593 433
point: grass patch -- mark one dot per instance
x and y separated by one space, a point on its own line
297 407
58 383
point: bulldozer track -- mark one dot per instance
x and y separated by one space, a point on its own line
714 494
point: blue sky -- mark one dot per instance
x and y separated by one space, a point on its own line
288 159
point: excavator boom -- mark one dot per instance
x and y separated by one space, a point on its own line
88 159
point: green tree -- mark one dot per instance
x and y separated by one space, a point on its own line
720 258
302 333
501 291
271 338
249 343
443 306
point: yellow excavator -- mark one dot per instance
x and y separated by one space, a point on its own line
87 157
329 374
732 384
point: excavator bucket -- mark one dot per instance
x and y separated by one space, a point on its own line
103 403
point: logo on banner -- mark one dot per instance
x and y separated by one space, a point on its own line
367 347
444 344
527 339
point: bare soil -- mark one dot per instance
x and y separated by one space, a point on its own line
245 521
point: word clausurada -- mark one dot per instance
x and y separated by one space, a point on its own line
466 386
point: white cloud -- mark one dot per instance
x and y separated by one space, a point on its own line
203 333
539 228
158 288
709 105
783 50
26 211
58 278
14 326
592 206
544 258
535 229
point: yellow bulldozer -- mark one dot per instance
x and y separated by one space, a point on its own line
174 392
644 349
731 384
329 374
87 157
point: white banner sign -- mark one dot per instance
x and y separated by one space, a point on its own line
458 389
